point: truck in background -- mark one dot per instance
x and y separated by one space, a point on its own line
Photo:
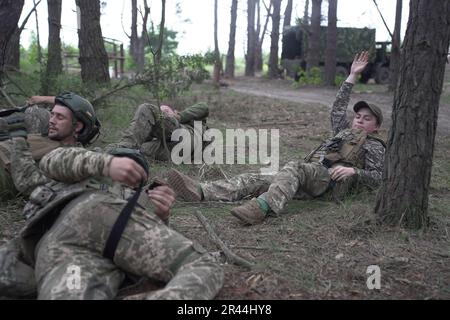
349 42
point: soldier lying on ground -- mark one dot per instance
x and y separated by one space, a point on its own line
352 158
71 122
74 258
151 128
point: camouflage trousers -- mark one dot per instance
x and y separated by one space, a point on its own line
236 188
147 131
70 265
297 179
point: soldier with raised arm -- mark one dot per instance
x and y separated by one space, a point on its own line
353 157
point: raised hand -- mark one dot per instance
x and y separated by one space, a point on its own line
359 63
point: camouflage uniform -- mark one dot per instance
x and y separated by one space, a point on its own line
150 127
15 175
148 248
313 178
236 188
306 179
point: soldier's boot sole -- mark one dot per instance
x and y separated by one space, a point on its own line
185 187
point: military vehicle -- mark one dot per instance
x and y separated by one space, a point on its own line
349 42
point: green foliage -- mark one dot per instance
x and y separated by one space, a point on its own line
170 44
175 74
313 77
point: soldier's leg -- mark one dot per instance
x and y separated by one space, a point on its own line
236 188
67 271
16 277
148 122
151 249
311 178
36 120
147 248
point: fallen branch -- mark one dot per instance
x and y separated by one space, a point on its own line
7 97
231 257
262 248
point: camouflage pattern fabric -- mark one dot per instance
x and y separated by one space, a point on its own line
309 178
16 277
7 188
36 120
236 188
24 171
145 131
148 248
314 179
75 242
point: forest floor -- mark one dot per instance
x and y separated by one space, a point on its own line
319 249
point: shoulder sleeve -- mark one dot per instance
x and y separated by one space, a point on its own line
199 111
24 170
339 119
75 164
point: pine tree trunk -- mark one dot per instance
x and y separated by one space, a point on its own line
288 14
230 64
275 37
403 197
251 36
10 11
330 54
12 59
54 61
395 52
217 62
93 57
312 59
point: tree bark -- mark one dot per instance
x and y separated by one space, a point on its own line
230 64
306 14
217 62
54 61
251 36
138 43
330 54
395 52
93 57
260 42
312 59
288 14
10 11
403 197
275 37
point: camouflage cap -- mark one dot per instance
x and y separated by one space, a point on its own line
373 108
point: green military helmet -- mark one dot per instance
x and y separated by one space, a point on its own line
134 154
83 111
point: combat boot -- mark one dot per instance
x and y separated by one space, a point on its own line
250 212
185 187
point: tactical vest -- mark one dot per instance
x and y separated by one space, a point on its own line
344 148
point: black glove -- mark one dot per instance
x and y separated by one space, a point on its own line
16 125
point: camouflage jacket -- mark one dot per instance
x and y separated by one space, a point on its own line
23 167
197 112
373 149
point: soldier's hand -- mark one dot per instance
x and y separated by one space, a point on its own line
126 171
339 172
40 99
359 63
163 198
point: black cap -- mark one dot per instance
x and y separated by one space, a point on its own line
373 108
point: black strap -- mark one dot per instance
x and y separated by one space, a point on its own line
120 224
